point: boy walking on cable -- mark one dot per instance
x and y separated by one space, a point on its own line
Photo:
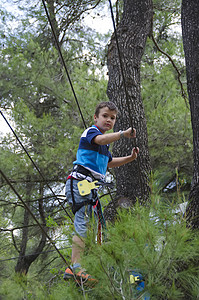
93 158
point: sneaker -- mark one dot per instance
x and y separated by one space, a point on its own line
68 274
79 275
84 278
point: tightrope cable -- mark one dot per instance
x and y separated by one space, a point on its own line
63 62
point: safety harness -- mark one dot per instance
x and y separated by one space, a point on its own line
76 206
85 187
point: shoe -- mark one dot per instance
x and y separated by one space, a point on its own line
68 274
79 275
84 278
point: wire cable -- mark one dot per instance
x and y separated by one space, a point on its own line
34 164
35 219
63 62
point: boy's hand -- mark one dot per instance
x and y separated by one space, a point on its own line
130 133
134 153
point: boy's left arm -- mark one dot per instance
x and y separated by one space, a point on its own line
120 161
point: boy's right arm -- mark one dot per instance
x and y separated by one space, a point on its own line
104 139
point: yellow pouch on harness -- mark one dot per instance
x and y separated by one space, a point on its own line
85 187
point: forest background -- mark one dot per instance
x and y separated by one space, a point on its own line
37 101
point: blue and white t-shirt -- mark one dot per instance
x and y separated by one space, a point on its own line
92 156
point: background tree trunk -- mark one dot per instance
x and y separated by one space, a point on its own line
190 33
28 256
132 32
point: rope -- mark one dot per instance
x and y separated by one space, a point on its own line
34 164
30 212
126 92
69 79
101 224
63 62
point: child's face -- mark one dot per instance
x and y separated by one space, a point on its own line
106 119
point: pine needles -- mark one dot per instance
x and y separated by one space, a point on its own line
154 242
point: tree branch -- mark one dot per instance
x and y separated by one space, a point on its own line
183 93
14 242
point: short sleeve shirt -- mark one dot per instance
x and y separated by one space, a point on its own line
92 156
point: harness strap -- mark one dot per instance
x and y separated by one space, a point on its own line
101 223
95 203
77 206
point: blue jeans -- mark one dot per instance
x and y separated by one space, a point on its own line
84 214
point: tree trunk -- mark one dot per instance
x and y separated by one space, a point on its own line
190 34
26 259
132 32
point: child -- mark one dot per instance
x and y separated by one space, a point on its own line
93 158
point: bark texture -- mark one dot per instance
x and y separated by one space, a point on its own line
190 33
28 256
132 32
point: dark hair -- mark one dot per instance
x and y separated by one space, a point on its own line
108 104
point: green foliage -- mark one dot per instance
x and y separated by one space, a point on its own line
51 222
40 105
169 125
153 241
18 288
36 95
167 112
